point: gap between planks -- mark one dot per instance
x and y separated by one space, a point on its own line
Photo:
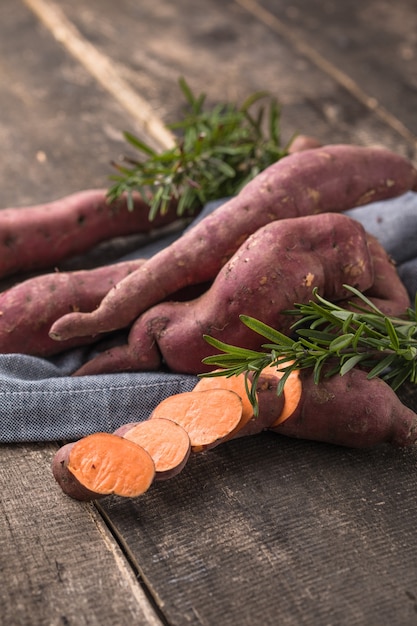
103 69
115 546
303 48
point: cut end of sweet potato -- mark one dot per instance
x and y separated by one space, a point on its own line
293 389
207 416
166 441
101 464
232 383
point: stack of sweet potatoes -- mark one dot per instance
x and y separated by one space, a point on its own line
266 248
271 245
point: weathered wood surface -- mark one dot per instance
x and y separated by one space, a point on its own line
336 68
271 531
59 564
262 531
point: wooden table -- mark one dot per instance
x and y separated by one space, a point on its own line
263 531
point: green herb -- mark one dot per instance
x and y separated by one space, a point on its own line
327 334
217 152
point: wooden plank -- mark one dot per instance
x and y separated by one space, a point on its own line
228 55
58 562
368 47
254 529
59 129
103 69
268 530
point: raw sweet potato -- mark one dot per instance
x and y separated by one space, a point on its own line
207 416
303 142
278 265
291 394
166 441
28 309
270 404
349 410
101 464
330 178
387 292
232 383
39 237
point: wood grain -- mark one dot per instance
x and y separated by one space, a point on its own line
58 562
268 530
262 531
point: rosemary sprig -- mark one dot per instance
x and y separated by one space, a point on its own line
217 152
325 333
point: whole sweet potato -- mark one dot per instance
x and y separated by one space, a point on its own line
39 237
349 410
278 265
28 309
330 178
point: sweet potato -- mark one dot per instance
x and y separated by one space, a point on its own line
270 405
349 410
303 142
28 309
101 464
278 265
387 292
330 178
291 394
166 441
41 236
232 383
207 416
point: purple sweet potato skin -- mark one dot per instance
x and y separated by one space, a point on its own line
278 265
39 237
28 309
66 480
125 428
387 292
324 179
270 406
351 411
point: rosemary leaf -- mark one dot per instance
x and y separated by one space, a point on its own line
217 152
350 363
265 330
327 338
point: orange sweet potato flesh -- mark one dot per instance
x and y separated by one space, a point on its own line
325 179
270 404
232 383
166 441
207 416
291 395
349 410
28 309
39 237
101 464
282 263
